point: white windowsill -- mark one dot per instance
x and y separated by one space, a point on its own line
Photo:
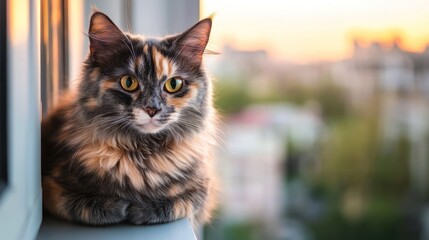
56 229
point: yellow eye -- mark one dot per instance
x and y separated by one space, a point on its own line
173 85
129 83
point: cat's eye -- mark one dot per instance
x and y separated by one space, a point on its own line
173 85
129 83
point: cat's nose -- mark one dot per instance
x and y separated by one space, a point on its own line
151 111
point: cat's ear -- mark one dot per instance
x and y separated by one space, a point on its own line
192 43
104 36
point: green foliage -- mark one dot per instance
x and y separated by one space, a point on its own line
233 96
234 231
391 168
382 220
245 231
353 159
348 153
230 97
333 101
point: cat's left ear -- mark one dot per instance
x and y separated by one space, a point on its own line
104 37
192 43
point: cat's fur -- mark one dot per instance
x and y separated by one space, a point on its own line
105 160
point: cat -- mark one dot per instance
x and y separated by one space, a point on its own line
134 142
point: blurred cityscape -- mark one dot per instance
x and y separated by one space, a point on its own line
325 150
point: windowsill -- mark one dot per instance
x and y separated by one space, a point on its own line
56 229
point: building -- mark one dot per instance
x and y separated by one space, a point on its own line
252 162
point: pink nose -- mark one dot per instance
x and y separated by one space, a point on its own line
151 111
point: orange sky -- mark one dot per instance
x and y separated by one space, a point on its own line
308 30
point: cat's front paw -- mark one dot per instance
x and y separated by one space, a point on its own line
150 212
119 208
99 211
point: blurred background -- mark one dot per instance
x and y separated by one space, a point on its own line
326 119
325 108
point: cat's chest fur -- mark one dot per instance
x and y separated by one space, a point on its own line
141 169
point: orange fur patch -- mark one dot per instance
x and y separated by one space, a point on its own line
175 190
182 208
171 68
127 168
210 203
107 84
163 65
103 160
182 101
154 179
158 59
138 61
161 164
91 103
85 214
95 74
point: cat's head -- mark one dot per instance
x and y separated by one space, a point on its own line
142 85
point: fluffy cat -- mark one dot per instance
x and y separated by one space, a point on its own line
134 142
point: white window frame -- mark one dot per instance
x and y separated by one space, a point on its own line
21 201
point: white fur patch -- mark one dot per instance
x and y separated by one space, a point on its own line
145 123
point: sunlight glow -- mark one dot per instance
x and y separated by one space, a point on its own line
309 30
19 29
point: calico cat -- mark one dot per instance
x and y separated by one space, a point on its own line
134 142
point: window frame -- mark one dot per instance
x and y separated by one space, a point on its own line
54 52
3 98
21 198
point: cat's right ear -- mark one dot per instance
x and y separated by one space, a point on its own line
104 36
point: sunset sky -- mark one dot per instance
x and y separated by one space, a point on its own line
311 30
